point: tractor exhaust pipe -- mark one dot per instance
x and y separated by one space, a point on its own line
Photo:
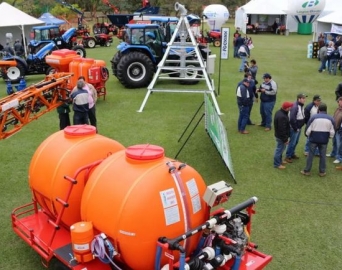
181 8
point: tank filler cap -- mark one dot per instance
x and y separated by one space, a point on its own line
144 152
80 130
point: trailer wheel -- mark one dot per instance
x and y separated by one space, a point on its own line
50 70
135 70
57 265
217 43
91 43
80 50
14 73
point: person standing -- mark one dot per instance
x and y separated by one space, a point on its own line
323 58
268 94
334 60
19 48
80 102
337 140
243 102
238 41
92 101
297 121
281 133
310 110
243 53
253 69
63 114
338 91
320 128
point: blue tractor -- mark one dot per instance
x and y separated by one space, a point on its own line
33 64
140 52
43 35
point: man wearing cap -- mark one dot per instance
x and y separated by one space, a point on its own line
337 141
319 129
297 121
281 133
268 90
243 101
310 110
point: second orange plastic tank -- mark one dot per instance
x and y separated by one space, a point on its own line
134 199
64 154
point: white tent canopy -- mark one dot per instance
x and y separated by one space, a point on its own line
16 22
266 10
330 17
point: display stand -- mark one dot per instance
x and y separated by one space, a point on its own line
188 67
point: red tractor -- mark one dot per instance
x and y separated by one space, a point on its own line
212 36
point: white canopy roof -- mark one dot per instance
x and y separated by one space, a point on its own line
334 17
264 7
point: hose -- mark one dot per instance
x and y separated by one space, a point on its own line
100 246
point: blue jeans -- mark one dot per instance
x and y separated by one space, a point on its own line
249 113
306 147
294 139
322 148
236 48
242 65
333 66
243 117
278 153
337 147
266 109
323 64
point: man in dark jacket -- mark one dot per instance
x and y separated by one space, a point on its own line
297 121
282 133
80 101
319 129
243 101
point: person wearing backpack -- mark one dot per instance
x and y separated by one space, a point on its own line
334 59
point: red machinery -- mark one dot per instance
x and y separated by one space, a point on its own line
133 208
22 107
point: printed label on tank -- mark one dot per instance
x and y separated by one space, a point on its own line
193 191
170 204
81 247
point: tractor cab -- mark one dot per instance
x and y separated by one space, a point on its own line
150 35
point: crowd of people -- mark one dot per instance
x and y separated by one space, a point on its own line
330 55
290 119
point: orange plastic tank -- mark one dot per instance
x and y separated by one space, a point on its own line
73 68
134 199
82 234
60 59
84 66
63 154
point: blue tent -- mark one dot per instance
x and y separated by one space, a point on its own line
49 19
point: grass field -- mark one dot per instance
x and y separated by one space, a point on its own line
298 218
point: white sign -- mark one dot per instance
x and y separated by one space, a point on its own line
336 29
224 43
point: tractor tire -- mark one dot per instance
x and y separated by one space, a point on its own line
50 70
115 62
80 50
191 74
108 43
91 43
135 70
14 73
217 43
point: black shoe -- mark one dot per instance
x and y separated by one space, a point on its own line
251 124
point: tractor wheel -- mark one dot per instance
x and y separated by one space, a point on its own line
108 43
115 62
217 43
50 70
91 43
14 73
135 70
80 50
191 74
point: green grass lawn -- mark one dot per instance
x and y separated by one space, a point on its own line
298 218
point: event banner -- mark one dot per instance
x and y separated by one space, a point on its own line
336 29
217 132
224 43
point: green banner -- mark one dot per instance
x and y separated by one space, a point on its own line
217 132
